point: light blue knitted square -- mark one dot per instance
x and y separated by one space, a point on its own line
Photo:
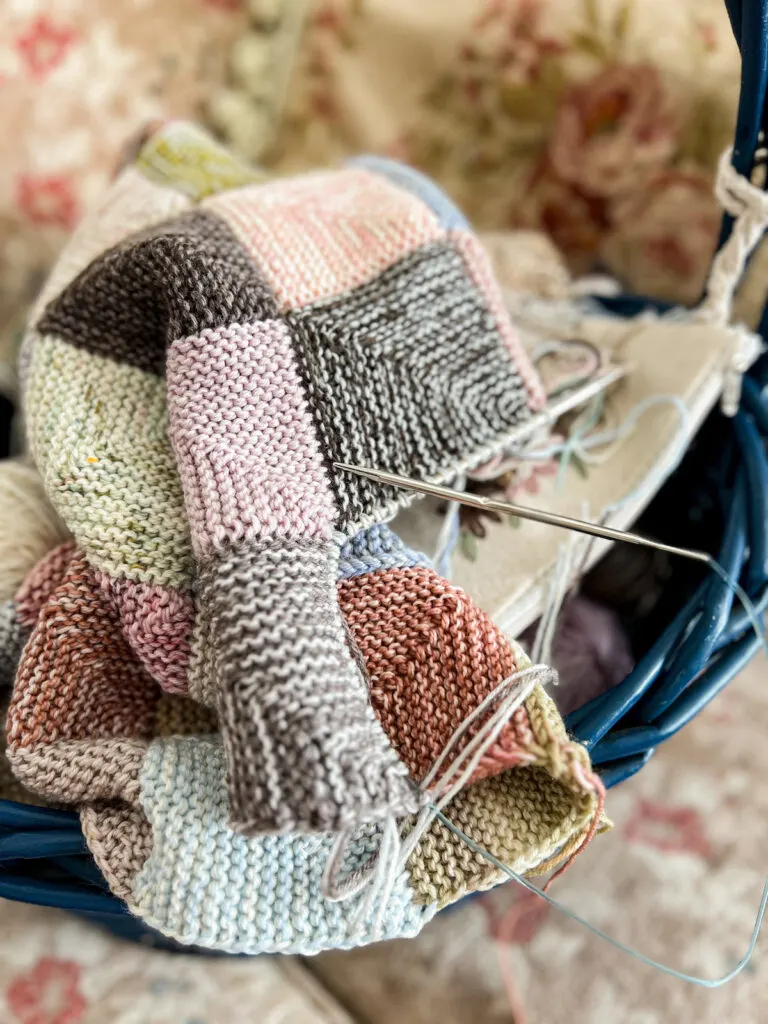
377 548
205 885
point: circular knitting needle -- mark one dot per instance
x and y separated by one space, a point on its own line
522 511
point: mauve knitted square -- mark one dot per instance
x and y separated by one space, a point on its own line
187 391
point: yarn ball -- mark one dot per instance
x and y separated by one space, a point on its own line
591 652
29 527
629 579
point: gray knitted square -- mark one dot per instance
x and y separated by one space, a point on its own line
407 373
304 747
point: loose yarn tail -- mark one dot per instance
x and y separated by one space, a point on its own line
595 930
376 879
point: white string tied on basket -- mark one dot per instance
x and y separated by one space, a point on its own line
748 205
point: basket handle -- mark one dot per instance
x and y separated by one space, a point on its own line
749 21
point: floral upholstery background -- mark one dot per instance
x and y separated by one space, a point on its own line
77 79
599 121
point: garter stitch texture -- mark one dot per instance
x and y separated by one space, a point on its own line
232 637
164 845
429 654
195 880
204 885
206 349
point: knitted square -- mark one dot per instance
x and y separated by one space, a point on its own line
406 372
83 708
319 235
178 866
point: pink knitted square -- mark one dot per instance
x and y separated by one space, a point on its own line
319 235
157 623
245 441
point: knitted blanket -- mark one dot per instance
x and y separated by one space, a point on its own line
198 362
88 725
243 679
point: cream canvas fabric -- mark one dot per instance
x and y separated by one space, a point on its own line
510 573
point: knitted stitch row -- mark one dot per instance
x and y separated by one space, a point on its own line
430 655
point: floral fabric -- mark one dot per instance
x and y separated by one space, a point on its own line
77 79
598 121
56 969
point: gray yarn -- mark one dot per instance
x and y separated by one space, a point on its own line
12 640
288 684
406 373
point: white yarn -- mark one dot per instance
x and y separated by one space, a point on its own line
748 205
377 879
594 284
29 527
559 582
449 532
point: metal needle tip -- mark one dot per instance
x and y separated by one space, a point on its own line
521 511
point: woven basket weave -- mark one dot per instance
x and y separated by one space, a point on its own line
710 637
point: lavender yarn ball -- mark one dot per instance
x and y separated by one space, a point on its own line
591 652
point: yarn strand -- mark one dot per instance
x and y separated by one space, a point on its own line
437 810
378 876
595 930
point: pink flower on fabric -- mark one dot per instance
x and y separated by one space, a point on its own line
707 32
47 200
614 132
508 41
492 11
43 46
327 17
528 476
663 239
669 829
576 222
324 106
47 994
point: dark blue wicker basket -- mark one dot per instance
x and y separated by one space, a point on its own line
704 641
710 636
